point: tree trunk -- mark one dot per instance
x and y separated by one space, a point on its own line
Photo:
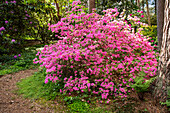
160 20
58 10
149 20
138 3
91 5
163 80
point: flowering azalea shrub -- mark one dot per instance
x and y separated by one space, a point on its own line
97 55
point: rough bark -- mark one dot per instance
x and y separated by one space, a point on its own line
148 14
91 5
163 80
160 20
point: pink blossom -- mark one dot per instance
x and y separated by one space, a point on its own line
75 88
152 40
60 90
13 40
15 56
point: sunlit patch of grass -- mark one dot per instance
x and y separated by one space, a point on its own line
34 87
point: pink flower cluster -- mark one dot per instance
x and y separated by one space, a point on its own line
97 54
2 29
19 55
10 2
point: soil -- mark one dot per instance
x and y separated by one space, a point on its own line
11 102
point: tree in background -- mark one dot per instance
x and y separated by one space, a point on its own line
91 5
160 20
148 14
163 81
128 5
138 3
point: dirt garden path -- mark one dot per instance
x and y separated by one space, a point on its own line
10 102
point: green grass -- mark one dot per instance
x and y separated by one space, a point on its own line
34 87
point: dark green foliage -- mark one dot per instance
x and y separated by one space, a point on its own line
70 99
140 85
9 64
12 19
21 20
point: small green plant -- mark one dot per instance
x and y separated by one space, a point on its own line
79 106
71 99
141 85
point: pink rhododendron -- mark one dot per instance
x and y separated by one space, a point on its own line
13 40
15 56
97 54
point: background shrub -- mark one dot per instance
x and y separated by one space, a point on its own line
20 20
151 32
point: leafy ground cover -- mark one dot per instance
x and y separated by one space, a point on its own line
11 64
14 63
